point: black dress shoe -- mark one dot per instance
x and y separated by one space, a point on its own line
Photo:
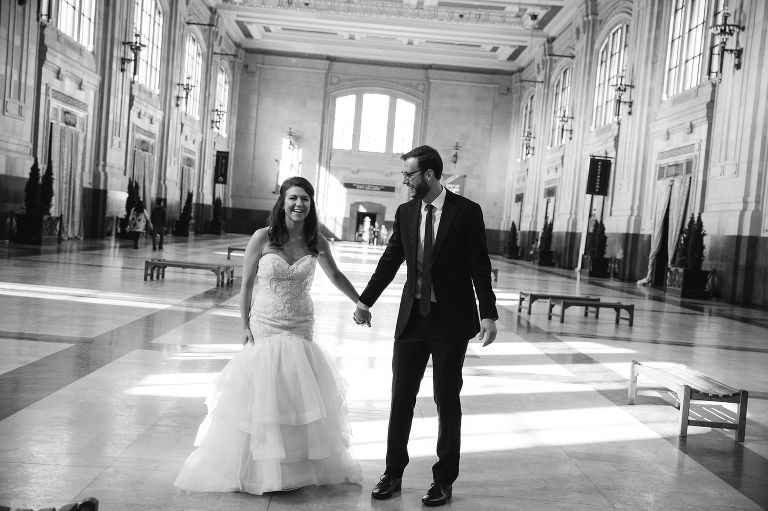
387 487
437 495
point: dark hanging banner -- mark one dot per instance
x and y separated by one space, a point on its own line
220 171
599 176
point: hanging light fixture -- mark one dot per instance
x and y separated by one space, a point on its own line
724 31
135 47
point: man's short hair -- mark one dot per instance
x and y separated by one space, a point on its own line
427 158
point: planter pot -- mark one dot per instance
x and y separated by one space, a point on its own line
685 283
181 227
122 233
597 266
30 230
35 230
546 258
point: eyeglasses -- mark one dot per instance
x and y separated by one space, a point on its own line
408 176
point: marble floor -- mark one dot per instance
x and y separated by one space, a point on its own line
103 376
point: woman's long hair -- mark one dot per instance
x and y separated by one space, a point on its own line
278 232
139 207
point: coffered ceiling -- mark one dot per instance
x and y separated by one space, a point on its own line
464 34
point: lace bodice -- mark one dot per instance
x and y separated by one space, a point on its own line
281 301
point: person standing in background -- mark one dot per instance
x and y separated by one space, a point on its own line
157 217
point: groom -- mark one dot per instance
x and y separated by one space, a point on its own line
441 238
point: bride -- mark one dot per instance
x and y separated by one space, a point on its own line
277 418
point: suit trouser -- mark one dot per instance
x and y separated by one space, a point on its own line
425 336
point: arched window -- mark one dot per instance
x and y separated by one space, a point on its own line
193 70
373 122
561 105
526 146
687 33
610 64
76 20
148 23
222 101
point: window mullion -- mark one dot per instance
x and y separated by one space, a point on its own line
685 33
358 122
390 125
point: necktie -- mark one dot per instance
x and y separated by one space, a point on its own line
426 265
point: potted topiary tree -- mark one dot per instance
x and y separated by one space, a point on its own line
216 221
546 256
46 190
598 263
29 228
134 192
686 279
513 250
182 224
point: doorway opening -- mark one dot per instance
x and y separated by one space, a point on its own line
367 227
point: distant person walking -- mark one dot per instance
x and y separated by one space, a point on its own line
138 222
157 217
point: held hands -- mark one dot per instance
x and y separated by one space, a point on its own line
248 337
487 331
362 317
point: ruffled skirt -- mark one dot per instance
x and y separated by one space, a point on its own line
276 420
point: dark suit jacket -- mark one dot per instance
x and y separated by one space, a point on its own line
459 260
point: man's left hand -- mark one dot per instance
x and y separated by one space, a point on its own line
487 331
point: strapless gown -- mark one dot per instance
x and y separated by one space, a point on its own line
277 417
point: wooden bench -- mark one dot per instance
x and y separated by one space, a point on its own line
690 386
234 249
532 297
596 304
158 266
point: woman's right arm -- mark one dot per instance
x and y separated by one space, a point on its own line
253 251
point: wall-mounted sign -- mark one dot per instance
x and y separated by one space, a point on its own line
367 187
599 176
220 170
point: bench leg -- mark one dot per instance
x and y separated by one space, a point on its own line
618 315
597 312
146 270
530 304
633 374
520 304
631 311
685 407
550 306
741 426
229 253
562 312
231 277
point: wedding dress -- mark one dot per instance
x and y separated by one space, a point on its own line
277 418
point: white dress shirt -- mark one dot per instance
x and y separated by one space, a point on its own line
438 203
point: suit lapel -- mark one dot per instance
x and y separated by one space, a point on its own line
414 213
446 219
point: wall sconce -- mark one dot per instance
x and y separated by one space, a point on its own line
619 90
563 120
218 114
135 47
724 31
456 148
185 87
528 139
